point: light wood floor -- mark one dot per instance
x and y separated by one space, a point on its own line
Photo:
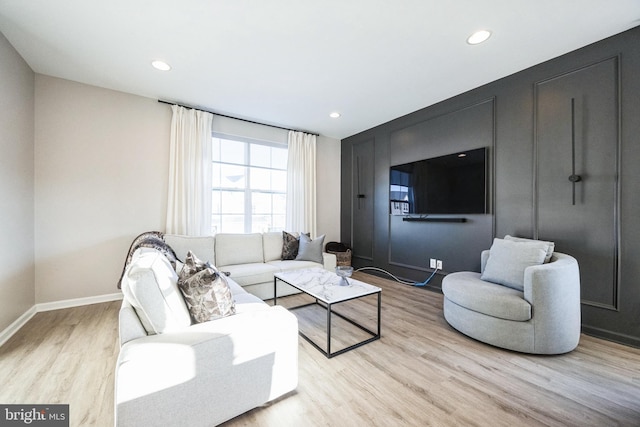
422 372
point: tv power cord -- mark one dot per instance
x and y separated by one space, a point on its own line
404 282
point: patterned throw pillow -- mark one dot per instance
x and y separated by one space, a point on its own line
205 290
290 244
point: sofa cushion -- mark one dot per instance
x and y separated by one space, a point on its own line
203 247
508 260
150 285
550 245
272 246
205 290
467 290
293 265
236 289
232 249
251 274
246 302
310 250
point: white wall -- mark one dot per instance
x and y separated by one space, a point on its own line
101 168
328 188
16 185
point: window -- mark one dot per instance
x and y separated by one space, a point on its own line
249 186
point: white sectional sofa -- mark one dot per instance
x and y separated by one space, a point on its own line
252 259
171 372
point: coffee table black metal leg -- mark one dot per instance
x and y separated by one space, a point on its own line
275 294
379 310
328 330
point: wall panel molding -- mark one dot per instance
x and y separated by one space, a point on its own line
579 110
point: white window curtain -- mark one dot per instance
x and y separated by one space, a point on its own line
301 183
189 196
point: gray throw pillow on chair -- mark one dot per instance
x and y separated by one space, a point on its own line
508 260
550 245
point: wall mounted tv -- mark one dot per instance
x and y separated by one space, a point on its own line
451 184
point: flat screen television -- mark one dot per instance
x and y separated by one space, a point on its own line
451 184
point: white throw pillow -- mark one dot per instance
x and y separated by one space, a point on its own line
508 260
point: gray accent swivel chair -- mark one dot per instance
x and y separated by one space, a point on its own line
542 319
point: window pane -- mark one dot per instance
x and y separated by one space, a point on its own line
260 223
279 158
279 181
277 223
232 223
215 175
232 176
260 179
232 202
260 155
232 151
279 204
216 202
261 203
216 224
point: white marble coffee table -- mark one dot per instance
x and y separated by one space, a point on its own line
325 286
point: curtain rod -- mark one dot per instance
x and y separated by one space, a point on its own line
235 118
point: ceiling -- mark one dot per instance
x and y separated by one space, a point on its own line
290 62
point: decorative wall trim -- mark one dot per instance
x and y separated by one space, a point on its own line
55 305
617 198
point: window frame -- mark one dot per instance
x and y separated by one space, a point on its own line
247 190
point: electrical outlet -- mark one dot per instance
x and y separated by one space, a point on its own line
432 263
439 264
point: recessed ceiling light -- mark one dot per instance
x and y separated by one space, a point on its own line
161 65
334 115
479 37
462 155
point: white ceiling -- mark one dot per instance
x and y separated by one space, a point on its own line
292 62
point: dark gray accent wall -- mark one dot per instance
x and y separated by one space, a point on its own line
412 244
526 122
362 187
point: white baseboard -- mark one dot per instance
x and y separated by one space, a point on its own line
55 305
77 302
15 326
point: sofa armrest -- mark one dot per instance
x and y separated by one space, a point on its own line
209 372
329 261
129 325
